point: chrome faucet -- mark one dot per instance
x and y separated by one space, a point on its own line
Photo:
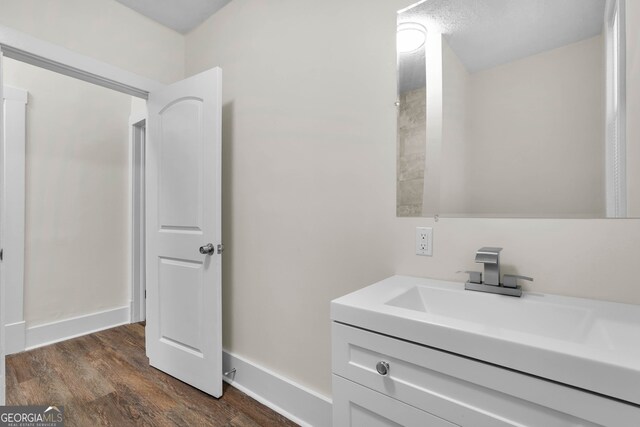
490 257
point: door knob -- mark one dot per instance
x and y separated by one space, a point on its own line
207 249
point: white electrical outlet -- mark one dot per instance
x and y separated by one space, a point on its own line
424 241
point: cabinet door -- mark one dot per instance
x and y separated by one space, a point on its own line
358 406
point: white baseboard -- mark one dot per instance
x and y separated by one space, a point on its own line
49 333
296 402
14 338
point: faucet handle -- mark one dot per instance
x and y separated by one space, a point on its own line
474 276
511 280
488 255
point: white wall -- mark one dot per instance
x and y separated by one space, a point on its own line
522 139
76 239
101 29
309 173
309 152
531 151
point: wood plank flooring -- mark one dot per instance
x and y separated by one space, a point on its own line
104 379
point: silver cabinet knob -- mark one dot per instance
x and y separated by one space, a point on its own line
382 368
207 249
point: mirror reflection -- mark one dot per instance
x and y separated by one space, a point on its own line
513 108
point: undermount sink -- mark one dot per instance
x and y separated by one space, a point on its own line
593 345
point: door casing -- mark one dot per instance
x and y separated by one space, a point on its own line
13 213
137 151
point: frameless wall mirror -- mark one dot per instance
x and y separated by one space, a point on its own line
514 108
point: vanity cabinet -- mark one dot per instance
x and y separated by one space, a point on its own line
425 386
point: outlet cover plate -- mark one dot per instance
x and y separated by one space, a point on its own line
424 241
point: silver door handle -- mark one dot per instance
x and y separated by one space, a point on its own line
207 249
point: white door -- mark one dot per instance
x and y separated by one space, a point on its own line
184 334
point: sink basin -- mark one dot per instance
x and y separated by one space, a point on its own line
593 345
534 315
527 316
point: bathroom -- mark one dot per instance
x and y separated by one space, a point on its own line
309 176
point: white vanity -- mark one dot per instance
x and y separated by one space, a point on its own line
418 352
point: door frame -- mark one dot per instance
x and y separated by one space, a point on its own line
137 221
25 48
15 103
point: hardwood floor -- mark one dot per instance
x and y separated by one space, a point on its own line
104 379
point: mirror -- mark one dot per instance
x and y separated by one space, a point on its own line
514 108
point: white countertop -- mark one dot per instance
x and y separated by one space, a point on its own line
593 345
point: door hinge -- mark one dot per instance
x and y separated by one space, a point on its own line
1 254
145 294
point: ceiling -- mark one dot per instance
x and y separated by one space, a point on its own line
487 33
180 15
